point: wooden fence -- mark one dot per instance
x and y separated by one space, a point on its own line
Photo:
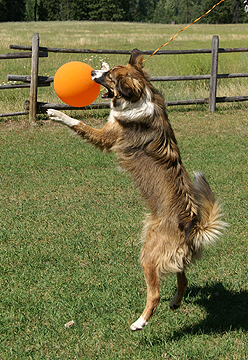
34 80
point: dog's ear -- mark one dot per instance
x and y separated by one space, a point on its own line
136 59
130 88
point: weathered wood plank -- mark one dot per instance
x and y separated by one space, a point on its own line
128 52
21 55
21 86
34 78
44 106
27 78
14 114
214 73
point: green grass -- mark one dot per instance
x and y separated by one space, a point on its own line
70 227
70 221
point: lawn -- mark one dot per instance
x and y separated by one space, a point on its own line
101 35
70 224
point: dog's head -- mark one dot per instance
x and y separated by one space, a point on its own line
123 82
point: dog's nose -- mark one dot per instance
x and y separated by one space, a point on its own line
93 73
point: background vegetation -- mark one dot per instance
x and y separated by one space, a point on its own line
160 11
126 36
70 221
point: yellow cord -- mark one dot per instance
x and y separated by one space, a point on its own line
186 27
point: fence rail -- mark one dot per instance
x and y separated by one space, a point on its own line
49 79
128 52
34 80
21 55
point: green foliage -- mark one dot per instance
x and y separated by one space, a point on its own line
13 10
178 11
106 10
230 11
165 11
49 10
160 11
224 12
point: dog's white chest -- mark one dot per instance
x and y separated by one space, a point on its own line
111 118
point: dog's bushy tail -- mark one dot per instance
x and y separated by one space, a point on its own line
209 225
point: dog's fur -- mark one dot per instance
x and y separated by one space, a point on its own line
183 215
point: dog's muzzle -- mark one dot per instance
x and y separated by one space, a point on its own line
97 74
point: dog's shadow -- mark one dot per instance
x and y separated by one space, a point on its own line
226 309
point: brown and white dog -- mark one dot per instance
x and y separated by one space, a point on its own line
183 215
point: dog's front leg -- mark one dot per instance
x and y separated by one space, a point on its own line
58 116
104 138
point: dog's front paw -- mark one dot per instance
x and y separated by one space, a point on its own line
55 115
58 116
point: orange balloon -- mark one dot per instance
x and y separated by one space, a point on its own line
73 84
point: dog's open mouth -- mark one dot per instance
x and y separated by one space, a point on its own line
108 95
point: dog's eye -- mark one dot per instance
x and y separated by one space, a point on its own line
109 77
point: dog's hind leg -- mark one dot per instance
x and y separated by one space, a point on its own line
152 281
182 283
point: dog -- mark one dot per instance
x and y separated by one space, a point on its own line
184 215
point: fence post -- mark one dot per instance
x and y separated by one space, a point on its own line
34 78
214 73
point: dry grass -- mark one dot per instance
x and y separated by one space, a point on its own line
126 36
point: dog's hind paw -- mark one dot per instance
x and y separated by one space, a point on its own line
139 324
175 302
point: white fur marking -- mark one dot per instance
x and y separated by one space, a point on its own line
58 116
135 111
111 118
139 324
98 73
